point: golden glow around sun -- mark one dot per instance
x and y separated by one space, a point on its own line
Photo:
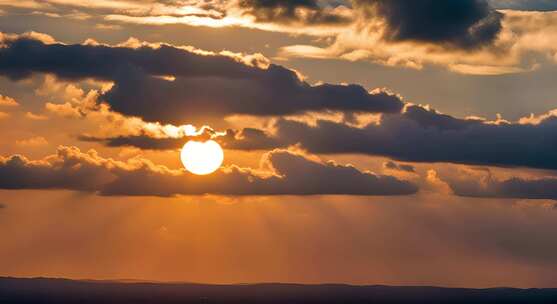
202 158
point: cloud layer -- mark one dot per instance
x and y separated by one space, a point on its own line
418 134
482 183
168 84
535 5
291 11
465 36
423 135
290 174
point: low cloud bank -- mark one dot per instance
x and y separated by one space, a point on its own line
289 174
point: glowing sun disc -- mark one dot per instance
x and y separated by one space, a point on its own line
202 158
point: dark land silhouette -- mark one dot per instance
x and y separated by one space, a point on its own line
62 291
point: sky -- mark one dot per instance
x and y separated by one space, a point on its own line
365 141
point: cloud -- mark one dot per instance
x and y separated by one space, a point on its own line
482 183
476 41
8 101
289 11
436 184
44 4
65 110
4 115
463 24
212 84
534 5
246 139
422 135
69 169
418 134
144 142
32 142
463 36
399 167
155 137
249 139
33 116
290 174
108 27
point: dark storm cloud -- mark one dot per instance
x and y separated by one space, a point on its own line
458 23
293 174
204 85
285 11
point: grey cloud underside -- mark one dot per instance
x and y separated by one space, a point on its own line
143 141
147 142
247 139
528 5
420 135
517 188
417 135
71 169
288 11
465 24
205 86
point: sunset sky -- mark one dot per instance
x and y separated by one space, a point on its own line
365 141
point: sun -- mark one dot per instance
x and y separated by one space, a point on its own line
202 158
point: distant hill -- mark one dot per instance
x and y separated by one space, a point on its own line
61 291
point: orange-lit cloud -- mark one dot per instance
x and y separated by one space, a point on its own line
34 116
7 101
32 142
